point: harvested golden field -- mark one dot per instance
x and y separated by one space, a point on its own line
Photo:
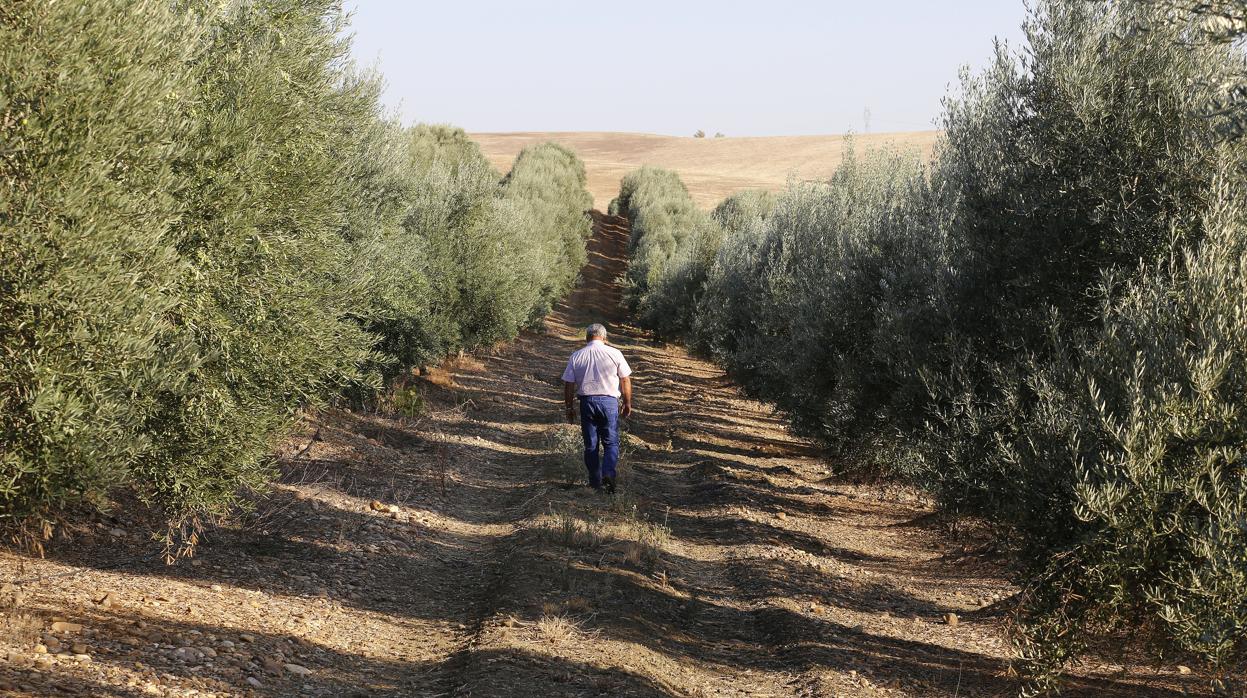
712 168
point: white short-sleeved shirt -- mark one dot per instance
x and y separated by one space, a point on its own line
596 369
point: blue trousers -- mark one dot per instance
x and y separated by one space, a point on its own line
599 424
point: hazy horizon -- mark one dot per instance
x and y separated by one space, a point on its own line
794 68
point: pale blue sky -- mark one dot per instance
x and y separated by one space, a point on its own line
780 67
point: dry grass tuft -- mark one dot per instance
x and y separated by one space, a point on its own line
566 529
464 362
572 605
566 460
630 444
578 604
645 539
557 629
440 377
19 629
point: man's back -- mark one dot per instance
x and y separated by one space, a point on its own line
596 369
596 373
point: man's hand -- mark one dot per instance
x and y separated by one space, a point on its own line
625 387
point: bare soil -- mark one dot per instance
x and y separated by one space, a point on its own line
711 168
437 555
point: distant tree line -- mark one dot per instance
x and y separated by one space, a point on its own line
1045 328
207 223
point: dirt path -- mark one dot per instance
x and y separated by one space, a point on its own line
435 556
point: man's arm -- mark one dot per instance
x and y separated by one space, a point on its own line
625 387
569 398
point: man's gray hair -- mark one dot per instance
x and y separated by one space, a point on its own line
595 331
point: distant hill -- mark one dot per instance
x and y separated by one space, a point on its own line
712 168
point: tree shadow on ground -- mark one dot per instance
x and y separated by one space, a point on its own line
689 624
742 531
516 672
361 559
332 672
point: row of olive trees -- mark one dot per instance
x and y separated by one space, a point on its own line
672 247
669 235
207 223
1047 329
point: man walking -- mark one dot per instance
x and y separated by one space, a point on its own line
598 375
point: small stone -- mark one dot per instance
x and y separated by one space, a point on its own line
41 648
208 651
254 682
951 619
66 627
1184 670
78 648
246 637
117 532
298 669
227 644
215 587
781 516
271 665
393 509
82 657
377 505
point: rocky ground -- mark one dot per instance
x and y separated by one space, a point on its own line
441 553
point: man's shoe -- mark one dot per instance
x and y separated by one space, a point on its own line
608 483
